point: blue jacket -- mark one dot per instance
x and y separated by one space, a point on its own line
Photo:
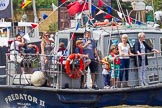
137 48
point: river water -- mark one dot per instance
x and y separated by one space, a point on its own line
136 106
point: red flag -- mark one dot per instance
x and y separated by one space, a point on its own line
108 16
130 20
100 3
34 25
73 36
76 7
63 1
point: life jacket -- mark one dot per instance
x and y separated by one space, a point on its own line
116 61
106 62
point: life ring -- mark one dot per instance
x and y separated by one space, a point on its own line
76 72
36 49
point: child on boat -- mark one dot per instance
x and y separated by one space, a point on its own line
87 61
115 65
106 71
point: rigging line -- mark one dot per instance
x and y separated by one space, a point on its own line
47 17
118 2
122 13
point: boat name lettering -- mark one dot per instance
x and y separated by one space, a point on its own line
153 68
26 97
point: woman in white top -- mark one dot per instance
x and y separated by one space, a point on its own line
124 52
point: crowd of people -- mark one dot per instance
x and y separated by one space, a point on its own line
115 65
119 59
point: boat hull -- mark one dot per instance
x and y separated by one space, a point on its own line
42 97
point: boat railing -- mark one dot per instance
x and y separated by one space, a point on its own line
57 77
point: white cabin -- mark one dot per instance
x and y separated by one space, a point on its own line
19 27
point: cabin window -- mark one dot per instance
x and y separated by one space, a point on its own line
3 32
150 42
77 36
64 40
22 30
161 45
106 44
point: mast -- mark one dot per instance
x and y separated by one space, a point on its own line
35 12
35 18
89 6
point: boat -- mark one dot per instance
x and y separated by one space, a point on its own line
59 95
65 92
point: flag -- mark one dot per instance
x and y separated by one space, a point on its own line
34 25
129 20
78 25
117 20
44 16
100 3
26 36
79 16
63 1
25 3
139 22
77 7
108 16
5 9
73 36
109 9
100 12
120 14
54 7
93 8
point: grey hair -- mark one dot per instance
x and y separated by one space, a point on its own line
141 34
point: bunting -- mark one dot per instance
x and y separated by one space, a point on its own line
120 14
109 9
26 36
73 36
25 3
77 7
100 12
139 23
100 3
78 25
63 1
54 7
34 25
108 16
93 8
44 16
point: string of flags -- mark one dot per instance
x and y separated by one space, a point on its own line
78 7
25 3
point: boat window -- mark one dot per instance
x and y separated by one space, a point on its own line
24 30
64 40
113 41
3 32
161 45
150 42
77 36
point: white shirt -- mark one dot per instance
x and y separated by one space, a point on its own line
124 50
14 49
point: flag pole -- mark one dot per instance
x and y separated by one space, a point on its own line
35 12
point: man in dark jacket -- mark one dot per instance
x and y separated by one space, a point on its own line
140 48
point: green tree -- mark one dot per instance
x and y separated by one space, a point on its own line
157 4
53 27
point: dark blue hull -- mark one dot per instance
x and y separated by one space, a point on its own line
43 97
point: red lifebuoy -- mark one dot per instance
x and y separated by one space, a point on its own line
76 72
36 49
